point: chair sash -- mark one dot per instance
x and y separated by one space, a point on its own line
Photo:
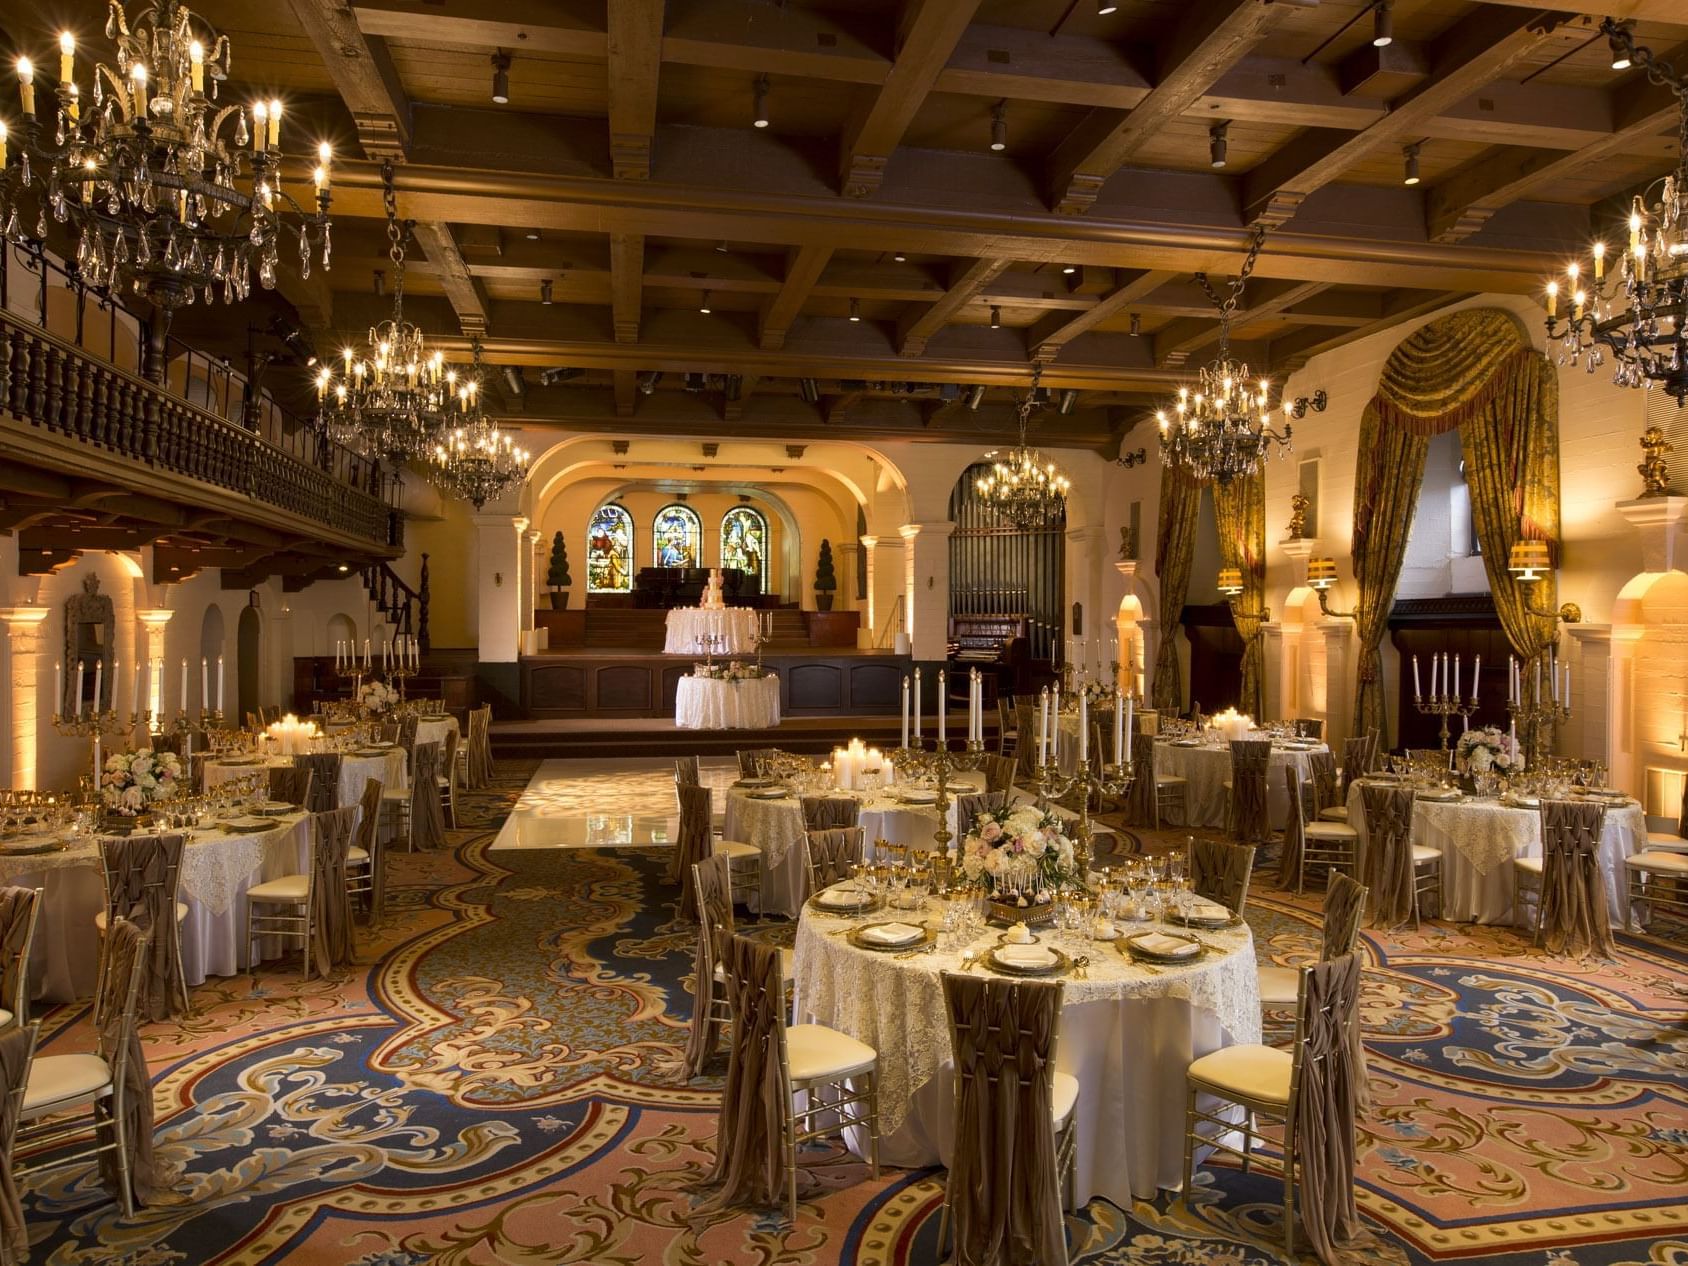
1345 902
694 843
480 746
1322 767
427 818
325 779
118 1042
1142 802
1004 1184
171 742
290 784
1220 872
821 813
369 840
19 908
831 854
408 726
1389 854
999 773
1330 1071
712 881
686 772
1295 831
17 1045
750 758
756 1096
331 913
1356 760
1249 762
1573 898
1025 746
142 874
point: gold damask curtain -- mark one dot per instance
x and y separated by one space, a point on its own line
1473 370
1239 512
1175 545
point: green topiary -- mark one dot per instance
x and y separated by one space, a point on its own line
826 580
558 575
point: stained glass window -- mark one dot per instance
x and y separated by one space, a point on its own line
676 533
744 542
609 551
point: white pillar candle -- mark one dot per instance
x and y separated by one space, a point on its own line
1083 727
1043 727
1476 673
135 692
1119 726
184 685
1456 691
1130 729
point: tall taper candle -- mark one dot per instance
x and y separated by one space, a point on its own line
905 710
58 687
917 703
1418 690
219 683
99 680
204 684
943 707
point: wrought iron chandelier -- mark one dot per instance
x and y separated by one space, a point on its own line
167 191
1222 429
476 460
1024 487
1639 314
393 400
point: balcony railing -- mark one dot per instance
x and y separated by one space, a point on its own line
62 368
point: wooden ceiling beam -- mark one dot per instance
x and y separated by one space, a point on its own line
627 271
1461 204
467 294
635 59
1046 339
802 272
1293 351
918 327
927 34
626 387
1478 50
570 28
1213 40
1173 349
363 73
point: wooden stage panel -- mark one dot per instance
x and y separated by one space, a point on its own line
876 688
555 689
812 688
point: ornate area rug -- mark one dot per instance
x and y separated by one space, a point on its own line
500 1085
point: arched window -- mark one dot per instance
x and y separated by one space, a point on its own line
609 550
744 542
676 534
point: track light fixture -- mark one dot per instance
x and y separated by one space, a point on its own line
1217 145
975 396
648 381
501 78
514 380
999 126
760 118
1105 7
855 309
545 292
1409 156
721 247
1383 24
1136 325
996 317
1067 399
899 257
703 303
1620 52
1067 270
808 391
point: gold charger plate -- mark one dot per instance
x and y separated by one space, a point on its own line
32 849
1208 922
855 938
1058 965
1129 947
871 903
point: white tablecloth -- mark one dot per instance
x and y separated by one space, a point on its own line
710 703
1479 839
687 624
1205 771
1127 1034
355 771
217 869
436 732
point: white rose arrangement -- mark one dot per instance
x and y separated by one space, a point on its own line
133 780
1019 850
1489 750
377 697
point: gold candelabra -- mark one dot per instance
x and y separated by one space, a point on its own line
940 763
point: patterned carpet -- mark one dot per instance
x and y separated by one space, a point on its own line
499 1085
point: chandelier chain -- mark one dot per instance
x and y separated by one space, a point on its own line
1227 306
396 233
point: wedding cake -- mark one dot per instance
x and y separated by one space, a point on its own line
712 600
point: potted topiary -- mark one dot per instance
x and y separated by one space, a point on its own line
558 575
826 581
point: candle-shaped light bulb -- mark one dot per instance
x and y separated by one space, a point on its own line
196 65
275 120
1552 298
1579 298
67 57
138 88
1599 260
260 126
1634 225
3 135
1573 272
319 177
73 104
26 85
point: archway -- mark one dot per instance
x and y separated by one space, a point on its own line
249 648
211 635
341 628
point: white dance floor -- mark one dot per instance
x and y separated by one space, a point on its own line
604 803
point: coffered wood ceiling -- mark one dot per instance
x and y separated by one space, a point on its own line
625 171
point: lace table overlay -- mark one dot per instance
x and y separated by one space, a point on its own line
707 703
1206 770
355 771
895 1005
687 624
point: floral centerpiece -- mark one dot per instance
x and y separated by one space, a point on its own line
1489 750
377 697
132 781
1020 855
729 670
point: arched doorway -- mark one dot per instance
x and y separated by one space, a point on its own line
210 654
249 641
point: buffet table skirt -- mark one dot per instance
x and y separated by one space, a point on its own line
1127 1035
687 625
217 869
711 703
1479 839
1205 771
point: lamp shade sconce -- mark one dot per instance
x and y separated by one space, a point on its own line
1230 581
1528 561
1321 573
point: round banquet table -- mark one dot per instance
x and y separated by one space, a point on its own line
713 703
1205 770
436 730
1127 1034
1479 839
687 624
776 827
217 869
355 771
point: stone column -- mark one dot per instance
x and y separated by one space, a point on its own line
870 617
1659 522
27 715
926 587
535 567
1083 586
154 622
499 591
848 561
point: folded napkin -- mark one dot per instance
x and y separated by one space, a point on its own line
1165 946
246 824
1202 908
1025 955
892 934
841 895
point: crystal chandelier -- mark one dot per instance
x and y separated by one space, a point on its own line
394 399
1222 429
167 191
1023 486
1637 315
476 460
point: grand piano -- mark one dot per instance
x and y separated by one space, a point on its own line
666 587
997 645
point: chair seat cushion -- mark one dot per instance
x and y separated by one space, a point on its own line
5 1017
816 1051
1170 780
289 888
1227 785
1279 986
737 850
1424 853
1652 859
1330 831
64 1079
1334 813
1667 841
1063 1098
100 919
1529 865
1255 1072
357 855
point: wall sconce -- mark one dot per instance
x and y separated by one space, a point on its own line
1321 576
1529 562
1231 585
1297 408
1139 458
498 580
